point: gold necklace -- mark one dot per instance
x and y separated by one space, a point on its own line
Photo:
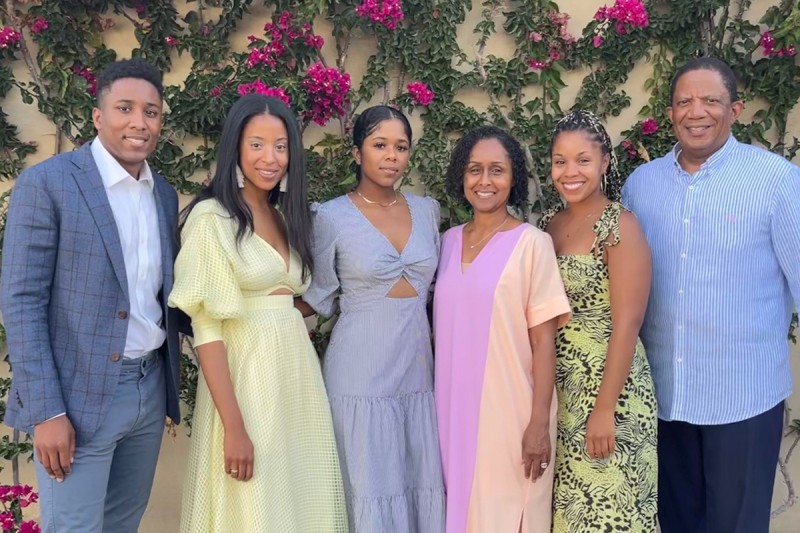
495 230
372 202
571 227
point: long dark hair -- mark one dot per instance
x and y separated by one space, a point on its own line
224 188
369 120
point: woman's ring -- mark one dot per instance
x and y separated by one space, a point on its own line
543 465
234 472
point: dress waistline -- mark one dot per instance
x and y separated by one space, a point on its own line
269 301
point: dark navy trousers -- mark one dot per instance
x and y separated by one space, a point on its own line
718 479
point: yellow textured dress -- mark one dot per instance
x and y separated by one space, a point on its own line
224 288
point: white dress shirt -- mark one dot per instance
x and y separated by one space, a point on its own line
134 206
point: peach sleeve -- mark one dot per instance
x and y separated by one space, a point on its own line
547 298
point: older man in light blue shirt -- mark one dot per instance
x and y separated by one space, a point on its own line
723 222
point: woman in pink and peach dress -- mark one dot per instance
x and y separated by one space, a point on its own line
499 300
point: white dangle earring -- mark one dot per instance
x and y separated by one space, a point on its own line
284 183
239 177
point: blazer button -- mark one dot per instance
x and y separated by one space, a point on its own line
123 314
115 357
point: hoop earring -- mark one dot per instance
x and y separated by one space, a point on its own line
239 177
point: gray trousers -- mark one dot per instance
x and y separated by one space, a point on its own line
112 475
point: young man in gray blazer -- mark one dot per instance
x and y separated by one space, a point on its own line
87 269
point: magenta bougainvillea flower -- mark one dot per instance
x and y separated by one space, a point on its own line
327 90
420 93
649 126
259 87
39 25
9 37
626 14
770 50
388 13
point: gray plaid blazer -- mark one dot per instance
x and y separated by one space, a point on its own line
65 298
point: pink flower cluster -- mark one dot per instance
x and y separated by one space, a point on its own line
768 42
628 14
560 20
629 149
388 13
8 37
88 75
39 25
420 93
14 498
327 90
259 87
649 126
285 32
557 47
171 41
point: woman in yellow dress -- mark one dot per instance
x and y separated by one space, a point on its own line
263 455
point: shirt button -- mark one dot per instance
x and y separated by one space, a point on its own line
680 359
115 357
691 187
683 255
680 291
685 220
680 326
123 314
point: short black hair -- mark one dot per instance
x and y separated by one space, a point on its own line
454 180
128 68
369 120
707 63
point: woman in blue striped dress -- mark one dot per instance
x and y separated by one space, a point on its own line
375 255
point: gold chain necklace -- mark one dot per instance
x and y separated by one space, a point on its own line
495 230
372 202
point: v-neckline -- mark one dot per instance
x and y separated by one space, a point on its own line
460 245
285 261
379 232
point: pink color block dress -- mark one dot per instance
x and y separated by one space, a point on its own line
483 380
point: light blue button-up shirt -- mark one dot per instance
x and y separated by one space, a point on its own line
726 271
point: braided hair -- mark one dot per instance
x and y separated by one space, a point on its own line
588 123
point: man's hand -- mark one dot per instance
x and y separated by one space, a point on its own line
54 444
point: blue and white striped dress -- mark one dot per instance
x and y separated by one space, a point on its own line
378 368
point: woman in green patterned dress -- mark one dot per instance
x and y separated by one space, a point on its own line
606 466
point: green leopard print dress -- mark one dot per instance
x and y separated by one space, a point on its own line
619 493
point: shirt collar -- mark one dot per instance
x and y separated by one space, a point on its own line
716 158
112 172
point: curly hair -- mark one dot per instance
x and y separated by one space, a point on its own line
454 179
588 123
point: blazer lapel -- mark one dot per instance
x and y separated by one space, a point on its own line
94 193
166 232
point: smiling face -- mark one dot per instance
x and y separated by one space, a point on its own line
384 154
577 166
702 114
488 176
263 152
128 122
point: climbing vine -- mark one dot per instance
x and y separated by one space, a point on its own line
51 52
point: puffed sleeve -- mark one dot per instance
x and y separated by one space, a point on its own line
547 298
205 286
321 294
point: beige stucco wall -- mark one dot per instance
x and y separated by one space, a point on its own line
163 512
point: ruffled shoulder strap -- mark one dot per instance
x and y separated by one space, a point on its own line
606 229
547 217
